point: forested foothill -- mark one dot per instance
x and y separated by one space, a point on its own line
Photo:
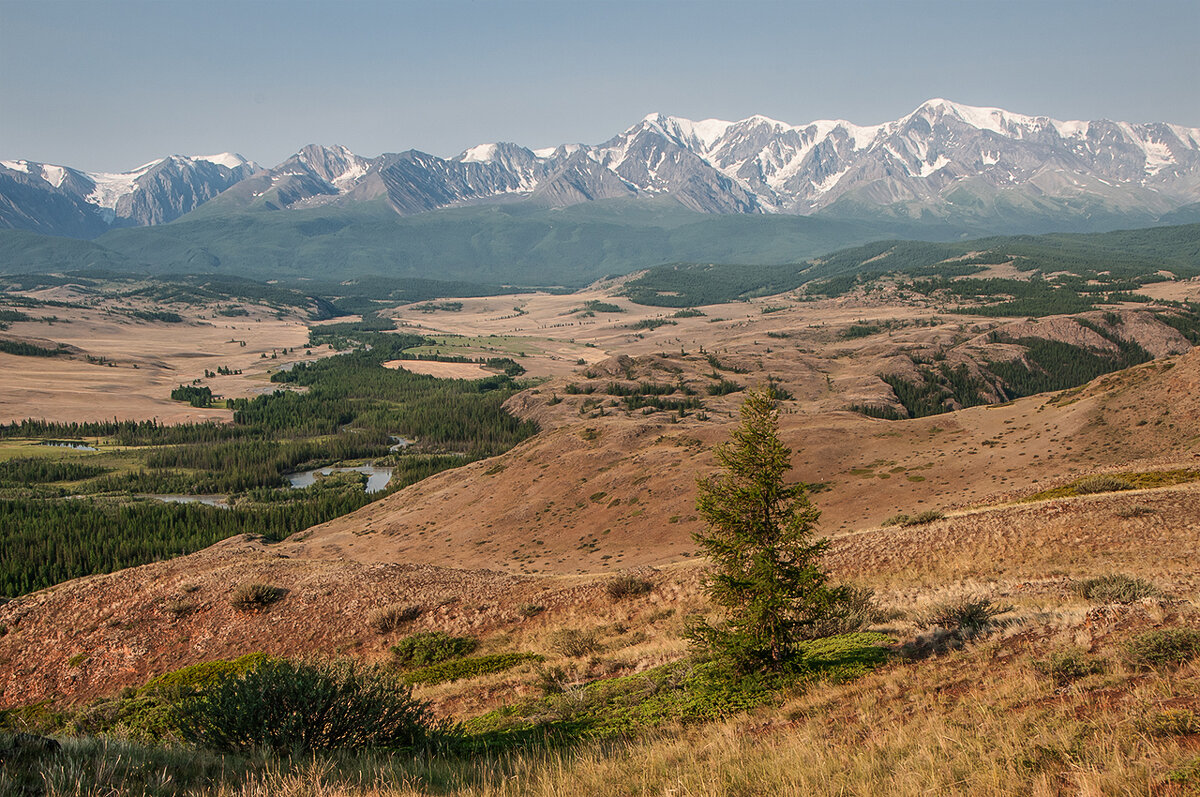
1076 271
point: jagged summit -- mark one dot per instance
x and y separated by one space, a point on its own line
944 159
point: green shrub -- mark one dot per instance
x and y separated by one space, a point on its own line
305 706
1065 666
574 642
196 677
255 596
1089 485
627 586
1115 588
179 607
528 610
1176 722
1163 648
1186 775
149 714
969 615
842 657
855 611
681 692
470 667
919 519
431 647
389 618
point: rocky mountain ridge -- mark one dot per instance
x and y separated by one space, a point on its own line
59 200
942 161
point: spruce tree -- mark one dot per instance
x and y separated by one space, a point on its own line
760 539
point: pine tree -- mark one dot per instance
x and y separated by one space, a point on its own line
765 559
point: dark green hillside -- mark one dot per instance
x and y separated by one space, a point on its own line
22 251
517 243
1119 261
1126 253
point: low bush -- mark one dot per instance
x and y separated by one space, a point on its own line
1090 485
971 616
1176 722
1115 588
150 714
470 667
197 677
921 518
854 613
627 586
389 618
255 596
431 647
528 610
1116 482
686 691
573 642
1163 648
1065 666
303 706
180 607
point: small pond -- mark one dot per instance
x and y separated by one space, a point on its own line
208 500
377 478
68 444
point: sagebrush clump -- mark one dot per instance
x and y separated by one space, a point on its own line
919 519
1090 485
574 642
628 586
255 596
1066 666
1163 648
389 618
970 616
1115 588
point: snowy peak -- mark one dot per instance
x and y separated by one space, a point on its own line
230 160
336 165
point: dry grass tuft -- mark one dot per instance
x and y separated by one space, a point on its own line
392 617
248 597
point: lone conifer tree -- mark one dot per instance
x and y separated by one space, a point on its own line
760 540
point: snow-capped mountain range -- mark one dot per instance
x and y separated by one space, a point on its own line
942 158
59 200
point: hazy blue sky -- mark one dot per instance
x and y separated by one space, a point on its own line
109 85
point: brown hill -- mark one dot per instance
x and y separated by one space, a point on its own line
547 505
601 493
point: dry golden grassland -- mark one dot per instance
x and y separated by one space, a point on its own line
126 367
